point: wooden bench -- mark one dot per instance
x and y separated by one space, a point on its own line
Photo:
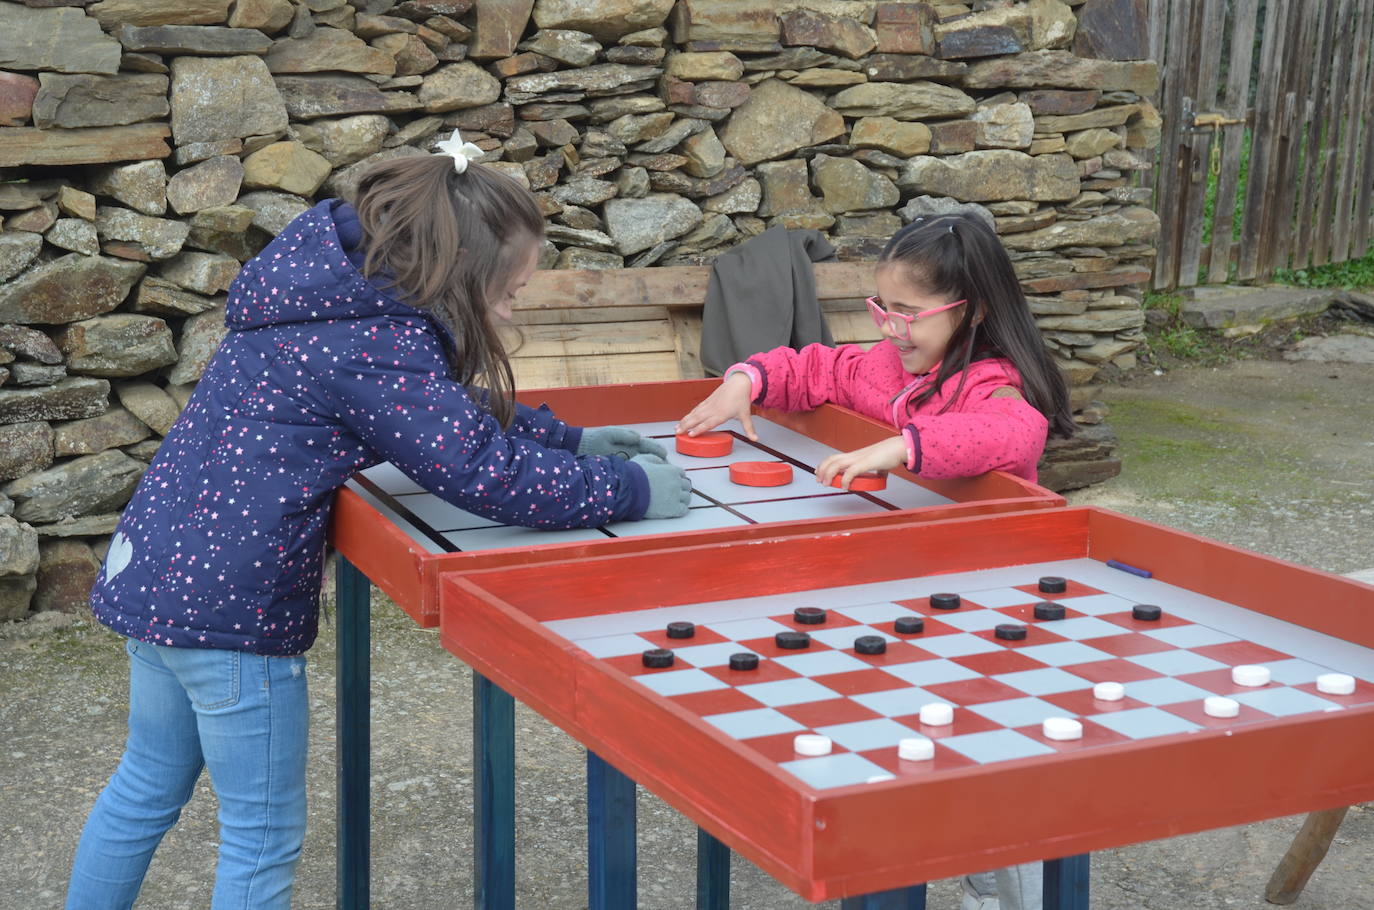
591 327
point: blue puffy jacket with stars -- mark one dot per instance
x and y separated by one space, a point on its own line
321 375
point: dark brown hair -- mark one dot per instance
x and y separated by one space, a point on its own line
447 241
958 256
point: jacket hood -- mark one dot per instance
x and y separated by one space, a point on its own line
312 272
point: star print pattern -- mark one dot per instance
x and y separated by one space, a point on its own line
322 375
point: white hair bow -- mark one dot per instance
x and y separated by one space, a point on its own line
461 152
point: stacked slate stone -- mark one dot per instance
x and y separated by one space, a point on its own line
149 147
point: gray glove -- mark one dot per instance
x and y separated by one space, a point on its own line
619 441
669 489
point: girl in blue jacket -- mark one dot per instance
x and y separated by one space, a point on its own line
357 336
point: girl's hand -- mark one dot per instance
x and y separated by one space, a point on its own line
881 456
731 399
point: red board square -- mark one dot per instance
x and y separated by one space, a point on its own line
857 682
778 746
974 691
703 636
933 626
1127 621
716 701
945 759
833 620
1026 613
1219 681
1128 644
1363 694
1122 671
964 722
994 663
1235 653
827 713
633 665
768 671
898 652
1093 735
765 647
1080 702
1074 589
1192 710
1035 635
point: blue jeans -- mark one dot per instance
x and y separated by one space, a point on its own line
245 717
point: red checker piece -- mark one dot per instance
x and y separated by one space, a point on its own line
761 473
863 483
706 445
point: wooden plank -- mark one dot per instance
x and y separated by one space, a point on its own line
1264 138
587 315
1206 32
1172 156
1318 101
554 372
1245 14
1357 105
1292 93
1365 200
1341 49
844 280
1155 50
853 328
596 339
686 329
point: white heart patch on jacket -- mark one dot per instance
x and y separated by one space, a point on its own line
121 551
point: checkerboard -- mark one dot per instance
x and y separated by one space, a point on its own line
717 502
1001 690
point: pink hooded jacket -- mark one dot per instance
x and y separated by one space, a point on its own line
977 433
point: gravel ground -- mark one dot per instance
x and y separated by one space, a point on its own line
1273 456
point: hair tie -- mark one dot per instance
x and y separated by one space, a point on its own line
461 152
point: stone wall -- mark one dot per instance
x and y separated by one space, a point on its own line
148 147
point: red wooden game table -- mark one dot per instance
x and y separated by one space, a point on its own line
376 545
1149 767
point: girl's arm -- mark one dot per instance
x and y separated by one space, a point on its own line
998 430
804 380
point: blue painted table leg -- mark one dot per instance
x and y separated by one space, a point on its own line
610 837
713 873
354 734
913 898
1066 883
493 810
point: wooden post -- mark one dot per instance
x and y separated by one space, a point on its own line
1303 856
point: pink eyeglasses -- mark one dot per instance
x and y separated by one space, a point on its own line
900 323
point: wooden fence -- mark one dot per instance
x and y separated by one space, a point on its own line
1268 109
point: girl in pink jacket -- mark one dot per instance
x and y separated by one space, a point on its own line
962 372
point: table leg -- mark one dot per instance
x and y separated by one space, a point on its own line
493 809
713 873
1066 883
1304 855
611 862
354 734
913 898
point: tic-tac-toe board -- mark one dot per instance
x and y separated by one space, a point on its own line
401 536
718 743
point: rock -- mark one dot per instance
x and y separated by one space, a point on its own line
267 16
200 40
786 189
18 548
66 571
1143 128
901 138
73 234
82 486
840 34
905 28
848 186
163 298
85 526
67 289
980 41
632 129
1129 225
495 119
344 183
992 175
1060 101
225 229
1100 117
1345 348
17 92
570 46
953 136
273 211
114 13
499 26
16 593
633 183
1113 30
311 96
217 98
878 225
286 166
17 250
553 133
928 206
121 344
674 135
77 203
695 187
705 66
638 224
34 221
25 146
1091 143
602 78
149 404
25 446
716 230
1052 25
582 237
1060 69
776 121
116 427
1008 126
31 374
584 191
160 238
29 343
606 20
705 154
328 49
902 100
342 142
578 258
202 151
211 183
60 40
204 273
200 338
72 398
458 85
743 198
1096 321
905 68
825 78
26 194
638 56
731 25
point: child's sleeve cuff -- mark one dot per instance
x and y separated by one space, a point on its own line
755 378
912 436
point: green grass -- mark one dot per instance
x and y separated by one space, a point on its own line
1173 335
1353 273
